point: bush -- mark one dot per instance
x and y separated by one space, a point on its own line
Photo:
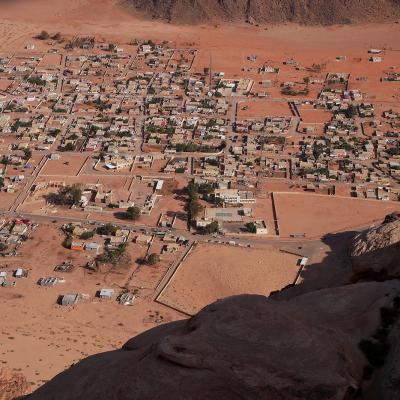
87 235
107 229
67 242
152 259
68 147
44 35
70 195
251 227
116 257
211 228
3 247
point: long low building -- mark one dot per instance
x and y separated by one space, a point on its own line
234 196
228 214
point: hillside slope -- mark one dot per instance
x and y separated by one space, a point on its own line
243 347
276 11
375 253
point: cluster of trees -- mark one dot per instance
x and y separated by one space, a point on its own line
193 206
211 228
318 150
3 247
117 257
273 139
196 148
289 91
87 235
27 154
5 160
102 105
44 35
107 229
67 196
80 42
20 124
351 111
68 147
36 80
168 130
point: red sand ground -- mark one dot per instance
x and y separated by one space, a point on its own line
41 338
317 215
67 165
212 272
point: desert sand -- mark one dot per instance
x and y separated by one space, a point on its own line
212 272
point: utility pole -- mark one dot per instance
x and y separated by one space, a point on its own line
210 70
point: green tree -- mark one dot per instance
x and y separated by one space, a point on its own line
87 235
152 259
44 35
116 257
69 195
251 227
351 111
5 161
68 242
133 213
211 228
27 154
107 229
56 36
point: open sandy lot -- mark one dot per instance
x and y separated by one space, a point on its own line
41 338
317 215
67 165
212 272
263 109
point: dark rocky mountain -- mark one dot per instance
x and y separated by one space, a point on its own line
269 11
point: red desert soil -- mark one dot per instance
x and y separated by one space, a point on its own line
317 215
212 272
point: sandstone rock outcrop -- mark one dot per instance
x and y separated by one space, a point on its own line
12 385
267 11
375 252
243 347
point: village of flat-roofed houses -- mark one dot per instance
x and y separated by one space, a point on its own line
126 166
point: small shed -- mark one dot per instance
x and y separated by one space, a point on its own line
126 299
77 245
19 273
70 299
92 247
106 293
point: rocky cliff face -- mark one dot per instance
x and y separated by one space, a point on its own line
375 253
244 347
262 11
12 385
